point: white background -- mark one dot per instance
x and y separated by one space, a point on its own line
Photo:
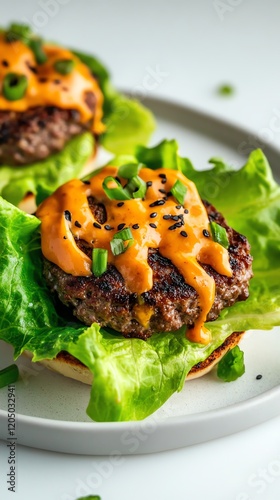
195 46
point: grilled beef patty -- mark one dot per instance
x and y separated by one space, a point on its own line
35 134
171 302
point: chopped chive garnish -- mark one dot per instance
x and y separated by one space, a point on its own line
219 234
64 66
121 241
17 32
137 187
116 191
129 170
124 234
117 246
36 46
9 375
99 261
14 86
226 90
179 191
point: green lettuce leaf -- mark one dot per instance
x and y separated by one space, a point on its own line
128 373
15 182
231 366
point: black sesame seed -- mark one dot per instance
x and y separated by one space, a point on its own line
135 226
157 203
183 233
77 224
178 207
164 181
57 81
65 237
108 227
167 217
258 377
154 226
162 176
162 191
67 215
5 63
120 204
86 182
43 79
175 217
174 226
206 233
186 211
97 225
169 193
121 226
149 184
153 215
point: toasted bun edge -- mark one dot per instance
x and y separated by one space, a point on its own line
65 364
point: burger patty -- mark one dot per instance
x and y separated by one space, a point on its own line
35 134
170 303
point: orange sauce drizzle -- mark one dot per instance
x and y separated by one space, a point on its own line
186 253
47 87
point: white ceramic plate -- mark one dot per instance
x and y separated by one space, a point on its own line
51 410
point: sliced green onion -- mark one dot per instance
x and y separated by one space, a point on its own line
99 261
137 187
179 191
90 497
225 90
36 46
121 241
9 375
219 234
18 32
14 86
119 246
117 192
64 66
125 234
129 170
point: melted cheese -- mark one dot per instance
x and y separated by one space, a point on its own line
186 253
47 87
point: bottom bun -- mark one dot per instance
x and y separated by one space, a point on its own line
70 367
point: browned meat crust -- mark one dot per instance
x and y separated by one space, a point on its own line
172 301
38 132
